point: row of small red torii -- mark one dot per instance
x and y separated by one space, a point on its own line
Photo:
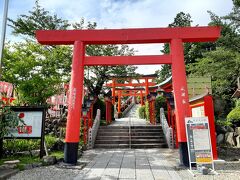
80 38
139 89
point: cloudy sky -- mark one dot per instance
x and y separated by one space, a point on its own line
125 14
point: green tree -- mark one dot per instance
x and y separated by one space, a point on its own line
223 66
35 71
192 51
55 61
36 19
181 20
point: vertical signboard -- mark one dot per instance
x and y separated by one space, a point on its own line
33 126
199 143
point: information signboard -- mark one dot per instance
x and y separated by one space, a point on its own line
33 126
199 143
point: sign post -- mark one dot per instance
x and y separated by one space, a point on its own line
33 127
199 142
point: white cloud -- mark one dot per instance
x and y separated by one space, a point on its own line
127 13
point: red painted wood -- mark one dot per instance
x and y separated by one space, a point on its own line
209 112
76 94
113 91
179 82
127 60
128 36
119 101
131 84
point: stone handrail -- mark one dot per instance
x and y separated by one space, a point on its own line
168 132
127 109
92 132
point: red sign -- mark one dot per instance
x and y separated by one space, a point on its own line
24 129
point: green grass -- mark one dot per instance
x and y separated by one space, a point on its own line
103 122
23 160
58 154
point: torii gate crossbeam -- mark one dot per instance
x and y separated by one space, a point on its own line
80 38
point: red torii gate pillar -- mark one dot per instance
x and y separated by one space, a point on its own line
119 101
180 95
141 97
75 103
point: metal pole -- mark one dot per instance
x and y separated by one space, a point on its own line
4 24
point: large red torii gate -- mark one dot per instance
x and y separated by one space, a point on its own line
80 38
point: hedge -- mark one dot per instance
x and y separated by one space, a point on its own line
234 116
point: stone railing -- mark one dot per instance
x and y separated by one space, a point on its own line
127 109
168 132
92 132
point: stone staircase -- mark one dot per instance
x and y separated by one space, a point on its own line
147 136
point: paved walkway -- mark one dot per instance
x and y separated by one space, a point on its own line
140 164
145 164
131 118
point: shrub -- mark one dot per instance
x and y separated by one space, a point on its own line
19 145
99 104
223 122
237 103
160 103
147 111
141 112
234 116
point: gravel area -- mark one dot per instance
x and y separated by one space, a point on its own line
46 173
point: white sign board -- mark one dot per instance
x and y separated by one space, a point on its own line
198 111
198 140
32 127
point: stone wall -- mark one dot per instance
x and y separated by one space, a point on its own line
229 136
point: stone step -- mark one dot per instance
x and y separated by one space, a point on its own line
146 127
132 127
127 137
113 130
146 133
148 145
110 134
146 130
115 141
108 146
106 133
113 127
126 141
146 141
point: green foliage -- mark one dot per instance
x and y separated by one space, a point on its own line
58 154
19 145
160 103
37 71
192 51
99 104
237 103
147 113
8 120
141 112
223 122
223 67
234 116
23 160
38 18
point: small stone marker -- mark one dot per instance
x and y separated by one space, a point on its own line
11 162
49 160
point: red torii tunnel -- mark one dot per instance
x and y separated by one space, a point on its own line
80 38
142 87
